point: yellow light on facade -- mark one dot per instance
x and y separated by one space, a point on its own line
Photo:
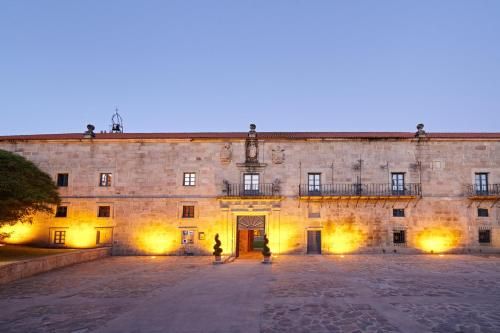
345 238
19 233
81 236
438 240
157 240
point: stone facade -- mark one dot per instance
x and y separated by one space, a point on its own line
147 191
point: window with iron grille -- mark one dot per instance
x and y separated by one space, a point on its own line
314 182
484 236
398 182
189 179
187 212
482 212
59 237
187 236
399 237
104 211
105 179
481 182
62 179
61 211
398 212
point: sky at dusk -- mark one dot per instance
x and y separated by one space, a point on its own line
191 66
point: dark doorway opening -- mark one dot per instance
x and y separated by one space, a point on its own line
313 241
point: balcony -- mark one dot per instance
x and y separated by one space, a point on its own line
375 191
253 191
482 192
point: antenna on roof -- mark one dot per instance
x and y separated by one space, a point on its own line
116 122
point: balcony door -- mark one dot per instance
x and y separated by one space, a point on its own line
398 183
251 183
314 183
481 183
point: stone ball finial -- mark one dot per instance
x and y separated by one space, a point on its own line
420 127
252 127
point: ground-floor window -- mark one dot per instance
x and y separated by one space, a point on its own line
104 236
59 237
187 236
484 236
399 237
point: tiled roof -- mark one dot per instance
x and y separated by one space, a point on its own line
261 135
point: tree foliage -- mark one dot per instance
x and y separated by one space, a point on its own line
24 189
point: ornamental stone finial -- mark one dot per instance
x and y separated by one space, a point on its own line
420 131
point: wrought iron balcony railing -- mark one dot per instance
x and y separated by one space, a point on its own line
254 190
359 190
490 190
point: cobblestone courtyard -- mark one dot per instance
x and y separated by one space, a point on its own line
390 293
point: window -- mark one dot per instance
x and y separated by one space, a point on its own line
62 211
104 211
105 179
482 212
398 212
189 179
104 236
399 237
484 236
314 210
398 183
62 179
251 182
59 237
314 182
481 183
187 236
187 212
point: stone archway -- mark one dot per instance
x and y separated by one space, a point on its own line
250 235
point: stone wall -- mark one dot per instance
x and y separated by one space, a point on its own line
25 268
147 194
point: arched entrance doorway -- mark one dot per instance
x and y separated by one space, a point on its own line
250 236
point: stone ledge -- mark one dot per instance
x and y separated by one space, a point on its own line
25 268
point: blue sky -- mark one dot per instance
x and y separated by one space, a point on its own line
173 66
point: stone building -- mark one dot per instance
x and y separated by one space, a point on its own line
170 193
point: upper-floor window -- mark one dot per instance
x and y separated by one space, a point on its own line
189 179
481 182
62 179
251 181
59 237
398 182
482 212
314 182
105 179
398 212
104 211
62 211
187 212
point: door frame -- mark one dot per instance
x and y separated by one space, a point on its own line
306 239
236 234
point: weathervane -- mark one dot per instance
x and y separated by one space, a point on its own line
116 122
